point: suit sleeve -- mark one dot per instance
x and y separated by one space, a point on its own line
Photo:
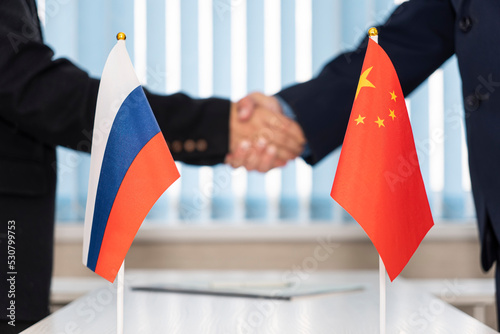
418 37
196 130
53 101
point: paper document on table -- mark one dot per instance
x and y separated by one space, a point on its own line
252 289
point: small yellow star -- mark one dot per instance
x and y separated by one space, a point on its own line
380 122
393 95
392 114
360 120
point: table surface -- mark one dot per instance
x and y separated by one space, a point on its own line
410 309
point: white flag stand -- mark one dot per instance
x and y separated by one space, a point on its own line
382 296
374 36
119 299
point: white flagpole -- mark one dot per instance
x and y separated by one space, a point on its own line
373 33
382 295
119 299
121 272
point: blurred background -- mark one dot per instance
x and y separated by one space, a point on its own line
228 48
224 218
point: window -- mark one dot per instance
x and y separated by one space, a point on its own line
228 48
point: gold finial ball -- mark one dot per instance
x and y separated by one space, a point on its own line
121 36
373 32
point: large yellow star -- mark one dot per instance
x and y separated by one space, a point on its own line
393 95
392 114
363 81
360 120
380 122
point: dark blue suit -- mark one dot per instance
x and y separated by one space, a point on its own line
418 37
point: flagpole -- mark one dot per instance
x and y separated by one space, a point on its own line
381 267
121 273
119 299
373 33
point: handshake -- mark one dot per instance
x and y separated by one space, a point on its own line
261 137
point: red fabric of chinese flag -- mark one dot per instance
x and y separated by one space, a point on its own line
378 179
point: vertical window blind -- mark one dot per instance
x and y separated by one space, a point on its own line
228 48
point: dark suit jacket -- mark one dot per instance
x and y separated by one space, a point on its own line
418 37
45 103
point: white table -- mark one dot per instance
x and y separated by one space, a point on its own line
409 308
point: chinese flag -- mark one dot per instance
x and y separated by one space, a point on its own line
378 179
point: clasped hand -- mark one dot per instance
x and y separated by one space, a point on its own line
260 136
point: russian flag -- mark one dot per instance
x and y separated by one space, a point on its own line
130 166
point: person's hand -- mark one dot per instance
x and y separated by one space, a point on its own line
261 137
246 106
